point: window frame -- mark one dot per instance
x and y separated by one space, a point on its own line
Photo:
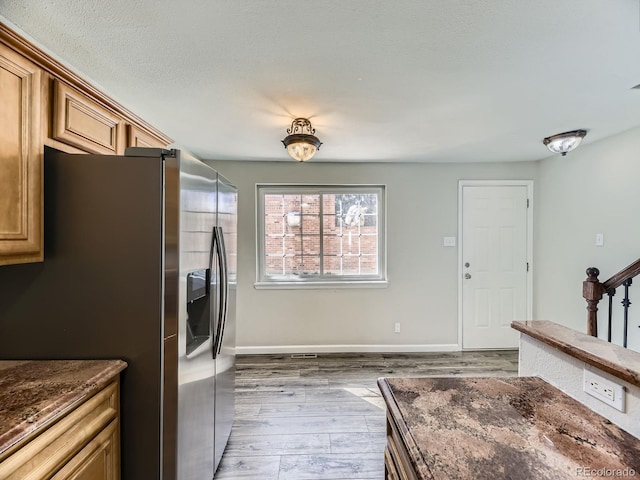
378 280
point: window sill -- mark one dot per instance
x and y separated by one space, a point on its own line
320 285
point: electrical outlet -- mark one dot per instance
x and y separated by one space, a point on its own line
397 327
604 390
601 390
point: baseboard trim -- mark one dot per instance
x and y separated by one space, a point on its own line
275 349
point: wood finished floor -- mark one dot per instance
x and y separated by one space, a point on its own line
323 418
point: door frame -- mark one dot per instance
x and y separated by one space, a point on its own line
529 237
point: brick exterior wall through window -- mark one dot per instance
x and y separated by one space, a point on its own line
303 239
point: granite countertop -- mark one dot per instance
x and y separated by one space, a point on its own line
504 428
621 362
35 392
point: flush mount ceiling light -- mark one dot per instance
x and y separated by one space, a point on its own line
564 142
301 143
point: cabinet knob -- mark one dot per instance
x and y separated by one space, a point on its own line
467 276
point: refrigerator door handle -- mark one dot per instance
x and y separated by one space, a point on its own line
213 277
225 287
218 242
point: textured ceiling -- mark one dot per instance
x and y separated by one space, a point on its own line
401 80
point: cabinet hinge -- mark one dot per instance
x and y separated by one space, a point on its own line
527 203
527 266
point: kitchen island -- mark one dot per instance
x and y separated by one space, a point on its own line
498 428
59 417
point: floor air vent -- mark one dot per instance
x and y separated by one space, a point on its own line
304 355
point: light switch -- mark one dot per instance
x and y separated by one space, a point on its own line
599 239
449 241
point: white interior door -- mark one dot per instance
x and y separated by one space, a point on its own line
494 263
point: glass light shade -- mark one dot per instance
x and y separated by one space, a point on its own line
301 151
564 142
301 143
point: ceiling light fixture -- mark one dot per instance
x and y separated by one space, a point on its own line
564 142
301 143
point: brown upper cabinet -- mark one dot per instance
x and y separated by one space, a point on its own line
45 103
20 160
137 137
83 123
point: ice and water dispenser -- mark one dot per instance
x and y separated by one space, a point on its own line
198 309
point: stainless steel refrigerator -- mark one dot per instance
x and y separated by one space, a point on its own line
140 264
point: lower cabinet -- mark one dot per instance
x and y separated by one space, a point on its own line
84 444
98 460
397 464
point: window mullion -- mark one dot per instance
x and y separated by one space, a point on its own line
341 237
321 243
302 257
284 238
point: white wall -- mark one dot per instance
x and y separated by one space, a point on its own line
566 373
594 189
422 291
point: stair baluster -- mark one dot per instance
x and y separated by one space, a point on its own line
611 292
626 303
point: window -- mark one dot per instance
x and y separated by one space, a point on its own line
320 235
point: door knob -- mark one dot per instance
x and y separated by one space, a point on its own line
467 264
467 276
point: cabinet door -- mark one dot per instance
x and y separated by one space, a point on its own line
139 138
98 460
21 154
84 123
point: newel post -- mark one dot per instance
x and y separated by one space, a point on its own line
592 293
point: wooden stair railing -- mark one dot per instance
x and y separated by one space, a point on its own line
593 290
